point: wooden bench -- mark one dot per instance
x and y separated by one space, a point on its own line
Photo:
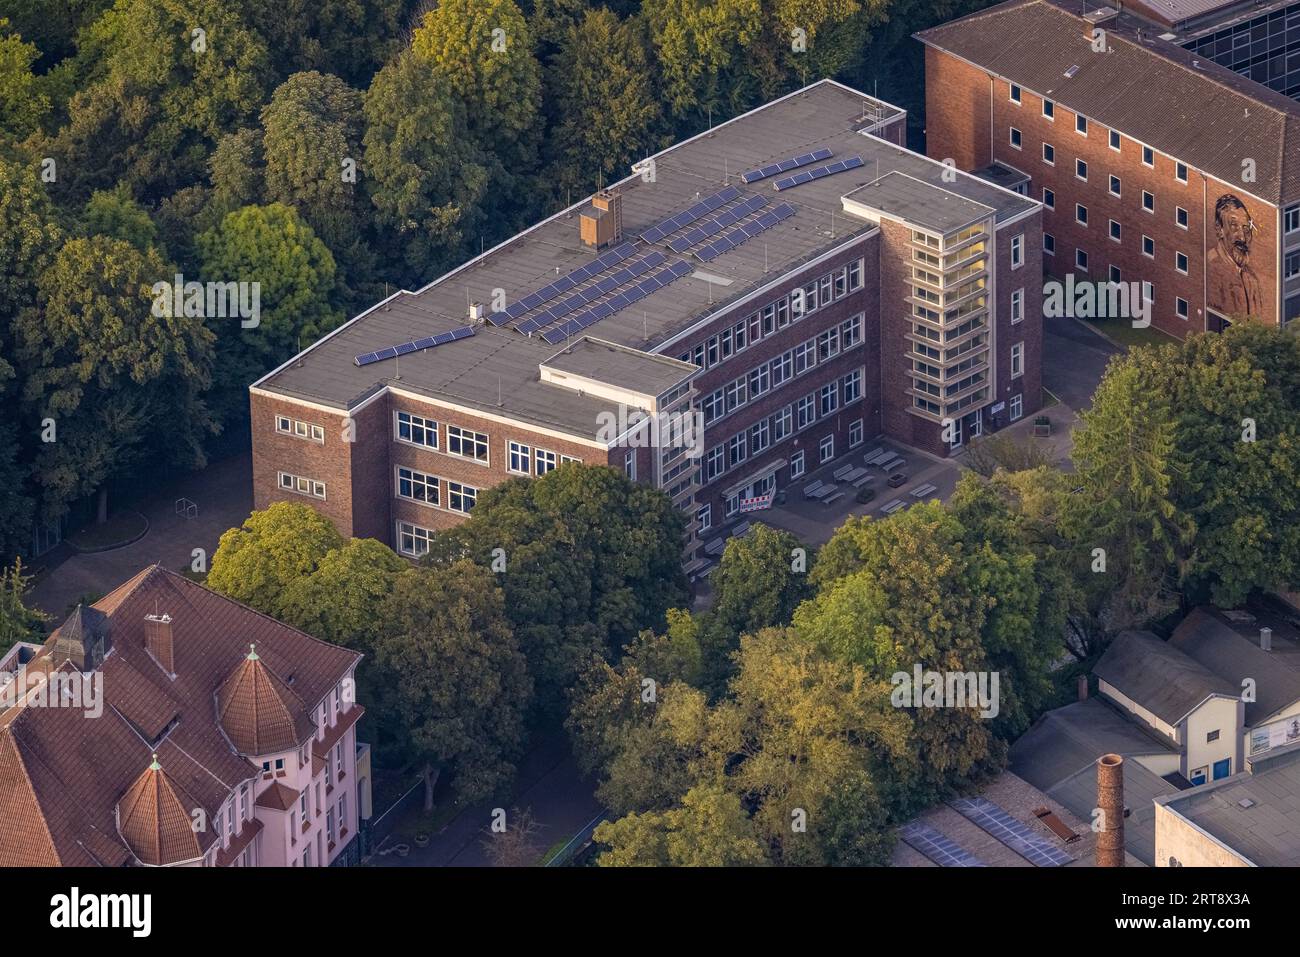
742 529
810 490
856 474
892 506
890 464
715 547
921 491
842 473
864 480
832 498
875 455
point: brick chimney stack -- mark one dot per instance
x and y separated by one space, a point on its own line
1110 800
158 641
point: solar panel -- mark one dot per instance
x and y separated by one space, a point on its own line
707 253
808 175
744 233
937 846
554 337
754 175
407 347
708 204
1013 833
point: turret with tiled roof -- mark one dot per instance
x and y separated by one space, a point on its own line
157 820
258 711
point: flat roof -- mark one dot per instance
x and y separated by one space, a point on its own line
1256 813
905 197
497 369
630 369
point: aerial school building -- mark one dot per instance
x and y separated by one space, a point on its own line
789 284
1157 136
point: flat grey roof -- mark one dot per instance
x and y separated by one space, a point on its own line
628 368
1159 676
917 201
823 115
1002 175
1078 792
1267 832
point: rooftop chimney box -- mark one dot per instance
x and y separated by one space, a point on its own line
601 223
159 643
1110 801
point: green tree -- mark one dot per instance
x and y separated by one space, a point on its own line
591 559
340 600
29 237
294 271
18 622
23 104
122 382
760 580
697 43
352 38
236 170
426 179
709 829
603 105
275 548
455 679
115 214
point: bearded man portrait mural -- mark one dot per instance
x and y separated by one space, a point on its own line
1234 286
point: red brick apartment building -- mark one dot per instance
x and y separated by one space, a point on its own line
793 279
1155 163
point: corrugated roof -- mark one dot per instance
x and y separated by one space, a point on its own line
1147 88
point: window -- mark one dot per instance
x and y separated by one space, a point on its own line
736 452
416 486
1148 202
826 450
461 498
412 541
1017 406
852 385
704 515
543 460
1114 140
1115 186
1081 259
520 458
830 398
782 423
1080 124
712 352
796 465
467 444
805 356
1180 262
302 486
1180 172
760 436
855 275
300 430
806 411
1017 360
1212 736
1116 231
851 332
1148 291
855 433
1180 217
1049 154
1017 251
1180 307
1148 247
1081 214
417 430
713 406
1049 244
1115 274
1291 219
714 464
1148 156
828 344
760 381
1081 170
1049 198
1291 265
736 391
1017 305
1049 109
1015 138
1015 94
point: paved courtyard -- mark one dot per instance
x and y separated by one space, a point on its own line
1074 358
223 493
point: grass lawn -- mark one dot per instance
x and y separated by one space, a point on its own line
1122 333
120 528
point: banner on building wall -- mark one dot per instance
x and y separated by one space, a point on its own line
758 503
1268 736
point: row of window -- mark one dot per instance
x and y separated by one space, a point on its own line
528 460
777 371
777 315
302 485
1115 274
299 429
1115 189
463 443
1081 127
783 423
425 489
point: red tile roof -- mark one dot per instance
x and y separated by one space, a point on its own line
156 818
63 773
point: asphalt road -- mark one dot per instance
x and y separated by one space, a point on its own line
1074 358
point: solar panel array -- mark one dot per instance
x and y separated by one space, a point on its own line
808 175
754 175
1014 834
562 285
633 294
428 342
584 297
687 216
730 240
716 224
938 847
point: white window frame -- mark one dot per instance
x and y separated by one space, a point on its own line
414 552
826 448
428 426
1017 406
461 435
796 465
1017 250
424 479
300 485
516 451
1017 360
856 435
1017 305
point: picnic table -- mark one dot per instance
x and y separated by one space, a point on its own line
829 499
921 491
842 473
715 547
741 529
875 455
892 506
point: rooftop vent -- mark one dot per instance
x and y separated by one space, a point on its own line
601 223
1266 639
1102 16
1245 803
1069 74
